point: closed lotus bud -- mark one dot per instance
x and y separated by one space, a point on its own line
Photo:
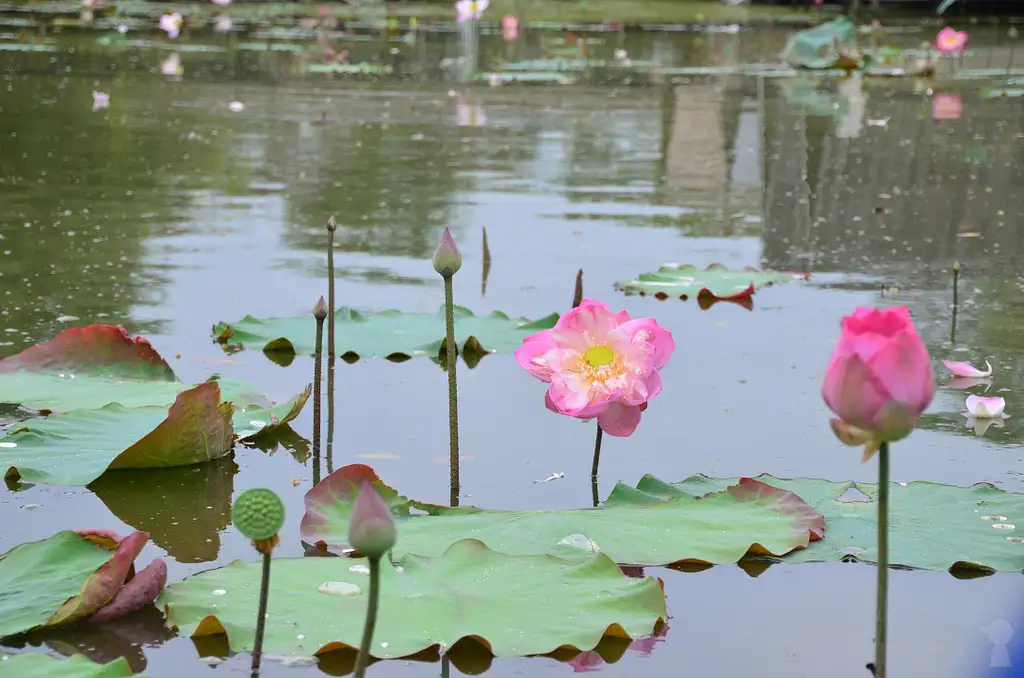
320 309
447 259
371 528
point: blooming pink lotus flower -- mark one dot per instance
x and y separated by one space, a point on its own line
599 364
947 106
100 100
879 379
470 10
171 23
950 41
981 407
967 369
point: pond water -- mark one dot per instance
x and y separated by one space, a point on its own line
168 212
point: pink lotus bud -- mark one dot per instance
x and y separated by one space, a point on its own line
371 528
880 377
320 309
447 259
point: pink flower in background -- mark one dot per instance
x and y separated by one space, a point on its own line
967 369
171 23
981 407
100 100
950 41
947 106
222 3
599 364
470 10
879 379
171 66
509 28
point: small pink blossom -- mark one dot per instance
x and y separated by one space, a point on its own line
222 24
967 369
599 364
509 28
100 100
171 66
947 106
470 10
371 527
950 41
879 379
171 24
981 407
221 3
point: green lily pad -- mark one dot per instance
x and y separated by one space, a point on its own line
722 527
61 580
39 665
931 526
715 283
253 421
388 334
818 47
77 447
516 605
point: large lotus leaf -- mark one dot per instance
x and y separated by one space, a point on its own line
388 334
253 421
62 580
38 665
517 605
715 283
819 47
96 349
931 526
77 447
630 527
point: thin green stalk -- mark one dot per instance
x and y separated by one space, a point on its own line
452 356
330 414
371 619
882 591
317 374
956 299
331 226
261 619
597 452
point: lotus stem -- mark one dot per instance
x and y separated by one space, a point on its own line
956 298
371 619
317 374
882 591
261 618
446 666
597 452
452 356
330 413
332 225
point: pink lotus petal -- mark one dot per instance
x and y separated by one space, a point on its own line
967 369
982 407
619 420
138 593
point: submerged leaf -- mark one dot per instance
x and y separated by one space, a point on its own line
77 447
632 528
715 283
388 334
39 665
515 605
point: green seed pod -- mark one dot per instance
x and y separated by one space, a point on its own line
258 513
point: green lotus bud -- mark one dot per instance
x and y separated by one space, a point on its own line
371 527
320 309
447 259
258 513
332 224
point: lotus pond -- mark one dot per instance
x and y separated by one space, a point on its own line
190 207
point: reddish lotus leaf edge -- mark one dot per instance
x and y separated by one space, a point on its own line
806 521
98 348
341 486
103 587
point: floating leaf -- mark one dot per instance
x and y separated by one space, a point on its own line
63 579
390 334
515 605
715 283
252 421
77 447
931 526
818 47
630 527
39 665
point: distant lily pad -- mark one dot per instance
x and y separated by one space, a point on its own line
39 665
723 527
388 334
715 283
515 605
